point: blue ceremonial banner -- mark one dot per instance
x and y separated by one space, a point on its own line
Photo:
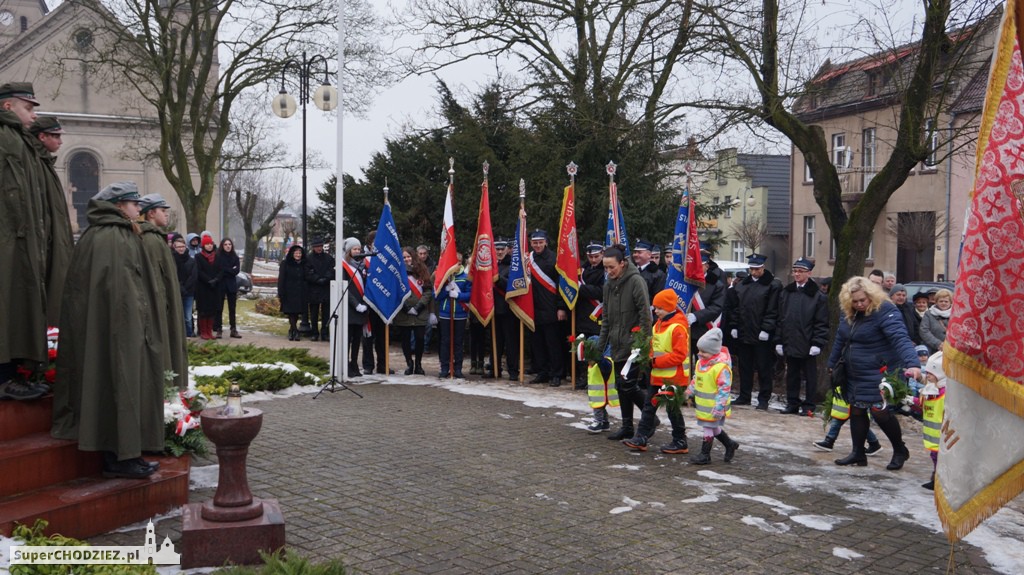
387 283
616 223
684 277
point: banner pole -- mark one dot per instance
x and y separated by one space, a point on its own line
572 357
387 349
494 349
522 366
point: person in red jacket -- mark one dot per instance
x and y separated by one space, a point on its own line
670 366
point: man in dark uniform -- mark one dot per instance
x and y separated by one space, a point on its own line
712 297
752 312
506 324
548 309
649 271
802 334
591 292
319 273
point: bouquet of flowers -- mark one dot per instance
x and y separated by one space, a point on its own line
182 429
43 374
640 355
586 349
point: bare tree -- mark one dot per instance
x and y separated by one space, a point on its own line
753 232
768 42
187 62
259 198
918 232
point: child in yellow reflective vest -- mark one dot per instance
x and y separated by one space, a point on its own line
670 372
933 407
601 392
712 382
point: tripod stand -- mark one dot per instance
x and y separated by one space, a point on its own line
335 383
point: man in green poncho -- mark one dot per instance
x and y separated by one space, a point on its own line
109 395
27 247
168 311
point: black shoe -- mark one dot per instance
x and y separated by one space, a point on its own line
676 447
540 379
790 410
873 448
854 458
730 446
704 457
127 469
622 433
19 391
443 375
899 457
314 337
409 370
354 372
762 406
580 385
556 382
154 465
741 402
825 444
458 375
929 485
806 411
325 335
513 377
599 426
419 371
637 443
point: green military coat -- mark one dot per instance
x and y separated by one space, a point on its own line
109 390
23 252
57 222
168 312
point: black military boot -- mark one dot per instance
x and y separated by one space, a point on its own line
624 432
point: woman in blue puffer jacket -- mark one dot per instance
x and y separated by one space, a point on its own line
877 336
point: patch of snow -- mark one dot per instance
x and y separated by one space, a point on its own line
564 414
626 467
631 502
504 416
776 505
819 522
657 504
764 525
618 510
706 498
203 477
543 496
723 477
844 553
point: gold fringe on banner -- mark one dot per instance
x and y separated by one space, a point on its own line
987 383
985 504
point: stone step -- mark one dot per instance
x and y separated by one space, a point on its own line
38 460
19 418
88 506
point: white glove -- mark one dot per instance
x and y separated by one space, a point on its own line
763 336
361 307
692 319
815 350
412 311
432 319
778 349
451 286
735 334
453 291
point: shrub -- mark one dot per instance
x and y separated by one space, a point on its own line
218 354
286 564
269 306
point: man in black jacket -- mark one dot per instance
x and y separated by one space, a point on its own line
712 298
548 309
506 324
752 311
591 293
649 271
802 334
319 273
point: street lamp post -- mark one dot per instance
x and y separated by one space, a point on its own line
325 98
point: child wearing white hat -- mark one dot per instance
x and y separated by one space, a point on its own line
933 407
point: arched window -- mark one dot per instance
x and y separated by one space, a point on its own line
24 23
84 175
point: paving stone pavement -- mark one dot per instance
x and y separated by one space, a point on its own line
421 479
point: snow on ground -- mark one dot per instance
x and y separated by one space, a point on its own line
761 436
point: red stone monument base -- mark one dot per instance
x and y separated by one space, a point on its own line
214 543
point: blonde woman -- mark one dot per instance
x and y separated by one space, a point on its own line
871 336
934 321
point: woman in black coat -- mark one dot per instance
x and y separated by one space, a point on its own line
208 288
227 262
874 331
188 276
291 288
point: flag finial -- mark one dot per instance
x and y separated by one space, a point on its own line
386 190
487 168
572 168
522 189
610 168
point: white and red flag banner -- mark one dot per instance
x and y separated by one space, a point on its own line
981 455
448 261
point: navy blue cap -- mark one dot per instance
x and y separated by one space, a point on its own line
500 243
655 249
595 247
756 260
642 245
804 264
538 235
705 256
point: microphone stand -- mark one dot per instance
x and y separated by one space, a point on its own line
335 384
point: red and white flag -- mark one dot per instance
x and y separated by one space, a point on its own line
448 262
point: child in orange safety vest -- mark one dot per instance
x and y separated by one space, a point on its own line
670 374
712 382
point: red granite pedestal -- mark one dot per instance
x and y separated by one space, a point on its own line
213 543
